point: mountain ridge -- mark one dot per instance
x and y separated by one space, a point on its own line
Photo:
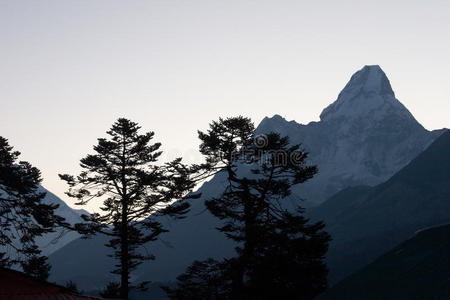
347 152
366 221
51 242
362 138
418 268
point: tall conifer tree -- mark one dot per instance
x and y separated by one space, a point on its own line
280 255
23 215
135 190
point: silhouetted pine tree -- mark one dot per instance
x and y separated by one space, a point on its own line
289 259
279 255
206 280
111 291
72 287
134 189
23 215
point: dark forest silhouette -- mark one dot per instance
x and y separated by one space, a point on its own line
278 253
23 214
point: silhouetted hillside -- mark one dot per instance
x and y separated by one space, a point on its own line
419 268
367 221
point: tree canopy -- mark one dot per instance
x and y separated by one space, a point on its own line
23 214
279 254
134 189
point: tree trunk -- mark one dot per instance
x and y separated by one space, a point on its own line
124 255
124 259
238 290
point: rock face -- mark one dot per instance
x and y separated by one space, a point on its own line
364 137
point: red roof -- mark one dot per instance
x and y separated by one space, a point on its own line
15 285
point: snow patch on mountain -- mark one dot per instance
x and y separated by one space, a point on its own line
368 94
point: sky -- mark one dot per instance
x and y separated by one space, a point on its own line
69 69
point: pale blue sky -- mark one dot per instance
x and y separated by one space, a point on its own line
68 69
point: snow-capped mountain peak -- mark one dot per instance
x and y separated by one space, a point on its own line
363 137
370 79
368 94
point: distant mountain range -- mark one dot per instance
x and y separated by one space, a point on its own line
363 138
365 222
50 242
53 241
418 268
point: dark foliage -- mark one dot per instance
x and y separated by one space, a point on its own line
124 174
36 266
23 215
111 291
71 286
206 280
280 255
289 261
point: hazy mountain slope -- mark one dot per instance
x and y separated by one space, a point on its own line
195 237
53 241
50 242
364 137
364 222
418 268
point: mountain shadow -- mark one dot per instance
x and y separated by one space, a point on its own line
418 268
365 222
